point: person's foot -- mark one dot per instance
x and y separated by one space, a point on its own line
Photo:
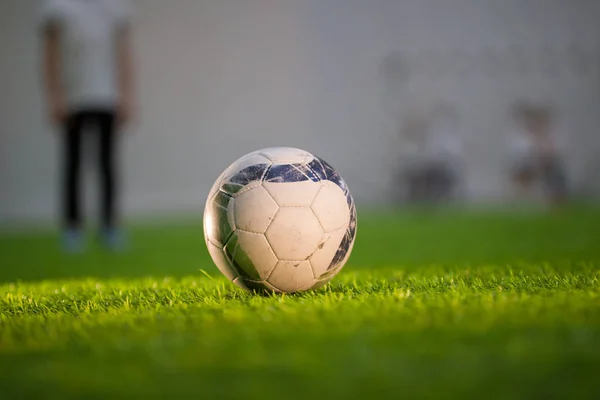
72 241
113 239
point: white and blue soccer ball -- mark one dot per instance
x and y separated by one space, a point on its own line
280 220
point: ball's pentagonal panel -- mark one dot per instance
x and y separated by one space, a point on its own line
350 238
294 233
326 251
216 186
241 171
251 255
329 275
326 172
249 170
292 276
290 173
352 223
230 247
293 194
347 256
254 210
221 261
285 155
254 286
330 207
322 282
218 225
343 251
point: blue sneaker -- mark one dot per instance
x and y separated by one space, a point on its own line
72 241
114 239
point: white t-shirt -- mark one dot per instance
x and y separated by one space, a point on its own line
441 142
88 30
522 145
444 141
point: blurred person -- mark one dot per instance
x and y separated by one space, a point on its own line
431 154
537 152
88 80
445 151
411 172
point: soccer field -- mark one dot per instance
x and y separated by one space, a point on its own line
448 304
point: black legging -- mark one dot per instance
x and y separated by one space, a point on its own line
77 125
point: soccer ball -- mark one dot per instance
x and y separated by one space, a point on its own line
280 220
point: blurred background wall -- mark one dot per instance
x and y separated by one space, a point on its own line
218 79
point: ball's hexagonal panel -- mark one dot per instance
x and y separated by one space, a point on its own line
251 255
254 210
326 251
293 193
247 171
292 276
288 155
330 207
294 233
218 225
221 261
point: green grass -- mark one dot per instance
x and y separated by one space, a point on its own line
451 304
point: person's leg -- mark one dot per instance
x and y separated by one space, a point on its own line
71 213
444 180
555 181
413 183
524 174
454 179
108 180
430 189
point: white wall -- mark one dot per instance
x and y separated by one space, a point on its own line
221 78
